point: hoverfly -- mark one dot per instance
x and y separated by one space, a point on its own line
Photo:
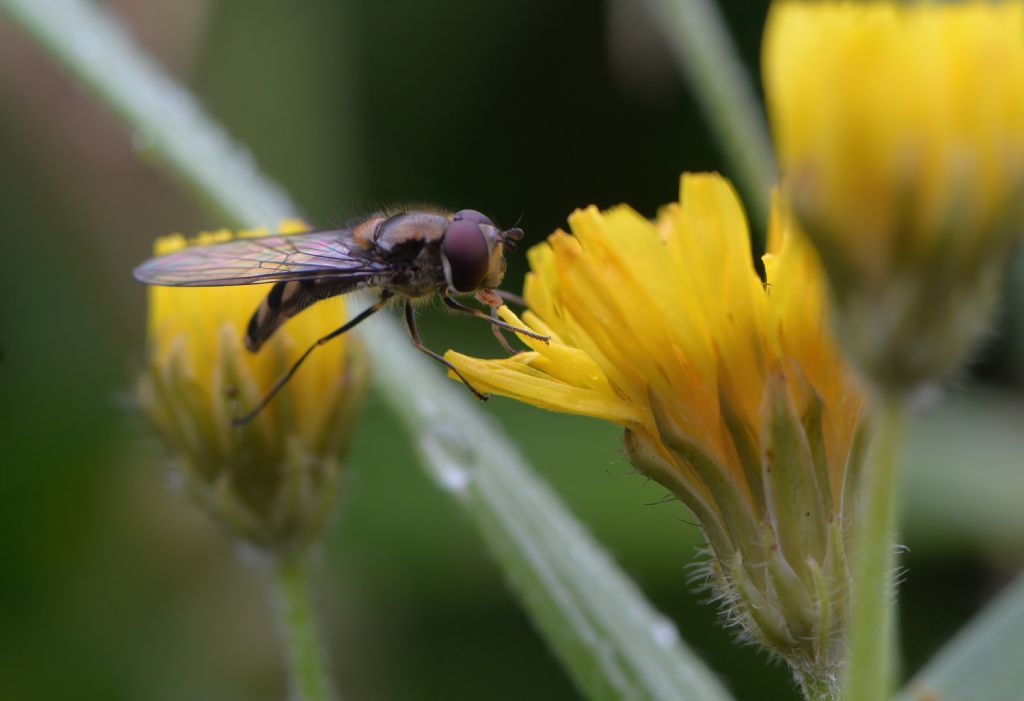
406 255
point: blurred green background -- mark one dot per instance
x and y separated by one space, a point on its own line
112 587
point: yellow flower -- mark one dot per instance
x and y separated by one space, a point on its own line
271 482
732 393
900 132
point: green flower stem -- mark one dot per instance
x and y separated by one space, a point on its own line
308 676
611 641
869 672
817 690
706 55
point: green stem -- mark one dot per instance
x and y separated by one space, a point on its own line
706 55
308 677
816 689
869 672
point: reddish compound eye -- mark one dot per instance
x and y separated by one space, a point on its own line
466 253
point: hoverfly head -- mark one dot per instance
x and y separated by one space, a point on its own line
471 252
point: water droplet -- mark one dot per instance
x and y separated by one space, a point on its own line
665 632
455 479
449 471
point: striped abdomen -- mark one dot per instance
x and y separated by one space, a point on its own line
285 300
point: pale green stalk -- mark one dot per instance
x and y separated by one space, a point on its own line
308 674
816 690
610 639
869 672
706 55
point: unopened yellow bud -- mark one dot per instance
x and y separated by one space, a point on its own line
899 128
272 482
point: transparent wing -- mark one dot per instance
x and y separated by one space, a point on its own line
331 253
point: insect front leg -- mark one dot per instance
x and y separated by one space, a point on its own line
414 334
498 333
495 323
493 298
506 296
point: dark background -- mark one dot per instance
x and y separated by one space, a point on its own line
112 587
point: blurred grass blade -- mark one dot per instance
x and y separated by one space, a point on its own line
594 617
613 643
167 124
699 39
964 477
983 661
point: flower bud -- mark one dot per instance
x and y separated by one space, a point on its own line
899 129
271 482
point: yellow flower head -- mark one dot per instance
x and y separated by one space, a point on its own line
272 481
731 390
900 132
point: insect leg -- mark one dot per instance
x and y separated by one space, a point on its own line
499 334
410 322
493 299
510 297
460 307
283 380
